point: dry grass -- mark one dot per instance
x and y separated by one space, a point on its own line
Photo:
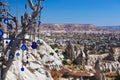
55 74
18 79
31 70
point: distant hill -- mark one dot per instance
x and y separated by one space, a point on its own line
71 27
110 27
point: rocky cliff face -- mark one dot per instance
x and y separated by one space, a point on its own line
82 57
100 64
33 64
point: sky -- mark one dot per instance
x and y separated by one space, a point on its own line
97 12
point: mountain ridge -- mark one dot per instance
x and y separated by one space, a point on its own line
78 28
70 27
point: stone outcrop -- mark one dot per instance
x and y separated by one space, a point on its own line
99 73
70 51
75 52
113 55
82 58
101 64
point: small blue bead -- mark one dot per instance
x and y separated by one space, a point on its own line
6 21
11 56
27 62
34 45
17 54
6 42
39 22
38 41
24 47
1 33
22 69
11 27
17 46
29 20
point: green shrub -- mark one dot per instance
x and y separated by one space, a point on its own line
41 43
54 46
52 53
64 61
106 70
102 51
56 51
117 77
81 68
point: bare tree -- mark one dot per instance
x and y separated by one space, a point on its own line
25 27
36 8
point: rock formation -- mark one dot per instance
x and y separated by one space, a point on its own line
37 68
99 72
82 57
113 54
70 51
